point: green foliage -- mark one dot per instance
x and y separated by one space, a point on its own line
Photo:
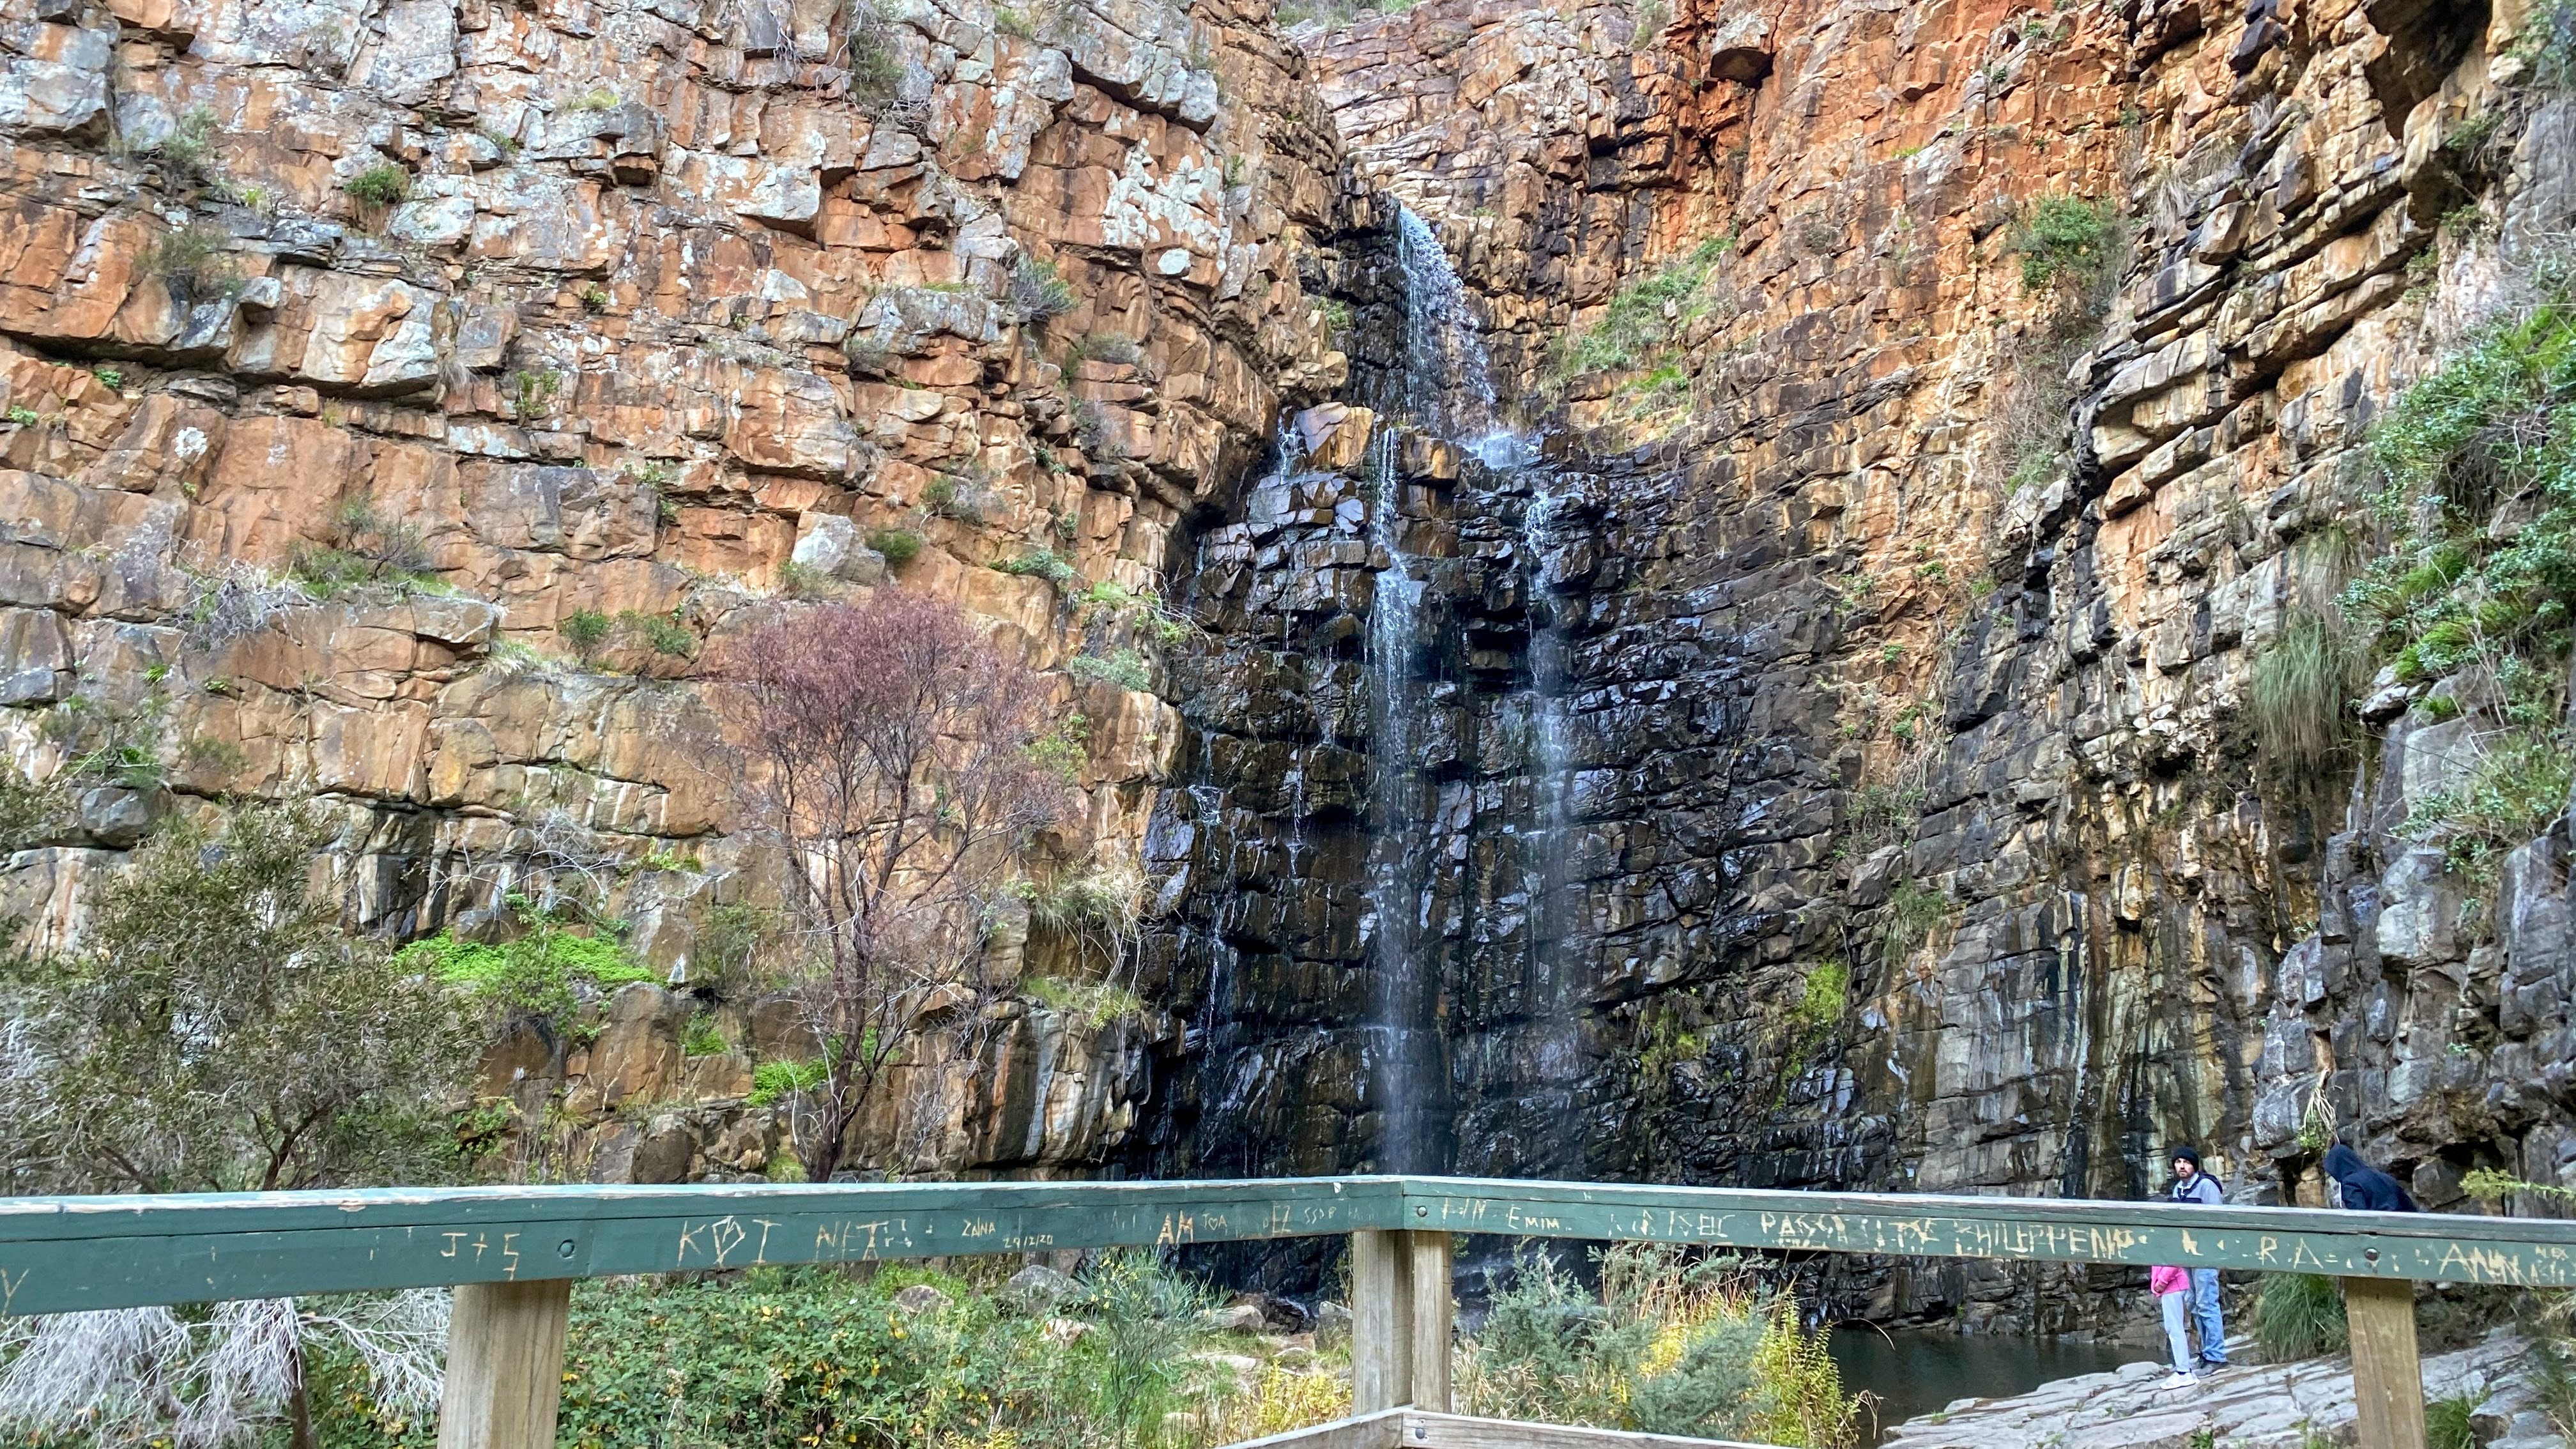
703 1040
1671 1345
2518 785
1647 317
1820 1004
1043 563
1093 1003
2298 1315
110 744
2065 243
595 298
1143 610
2449 1422
2494 1186
1065 749
964 501
378 186
2479 463
806 1356
665 634
536 973
218 1031
586 630
876 69
534 392
368 546
799 581
194 262
29 812
775 1080
189 149
1914 911
900 546
1124 668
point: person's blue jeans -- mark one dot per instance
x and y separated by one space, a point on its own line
2205 1317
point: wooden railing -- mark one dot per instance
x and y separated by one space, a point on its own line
512 1254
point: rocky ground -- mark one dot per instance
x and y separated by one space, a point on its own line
2265 1406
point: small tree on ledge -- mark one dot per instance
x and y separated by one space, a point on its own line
891 753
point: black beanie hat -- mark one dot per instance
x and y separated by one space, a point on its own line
2185 1154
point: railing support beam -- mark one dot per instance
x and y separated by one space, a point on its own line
1401 1319
1381 1321
1435 1314
505 1354
2387 1372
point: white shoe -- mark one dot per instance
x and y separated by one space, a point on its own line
2180 1381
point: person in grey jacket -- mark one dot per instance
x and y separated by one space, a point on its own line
2190 1184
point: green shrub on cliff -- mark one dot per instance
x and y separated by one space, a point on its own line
2478 574
1646 318
535 973
2065 242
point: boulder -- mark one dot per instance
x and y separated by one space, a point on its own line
1038 1288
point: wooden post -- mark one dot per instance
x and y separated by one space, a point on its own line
1381 1321
505 1350
2387 1374
1435 1312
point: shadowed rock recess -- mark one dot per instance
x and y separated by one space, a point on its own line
1729 549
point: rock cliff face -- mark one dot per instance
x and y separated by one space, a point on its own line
407 400
1732 545
1831 762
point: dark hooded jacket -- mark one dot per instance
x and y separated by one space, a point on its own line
2366 1188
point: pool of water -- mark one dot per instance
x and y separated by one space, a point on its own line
1916 1371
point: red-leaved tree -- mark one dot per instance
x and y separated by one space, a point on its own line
893 754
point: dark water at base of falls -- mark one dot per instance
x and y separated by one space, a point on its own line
1913 1372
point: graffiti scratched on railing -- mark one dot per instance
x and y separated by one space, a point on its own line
61 1254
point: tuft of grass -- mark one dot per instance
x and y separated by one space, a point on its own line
194 262
2302 689
2450 1422
772 1081
2299 1315
1038 290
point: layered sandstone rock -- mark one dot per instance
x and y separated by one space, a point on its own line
618 309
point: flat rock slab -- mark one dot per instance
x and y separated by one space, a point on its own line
2261 1406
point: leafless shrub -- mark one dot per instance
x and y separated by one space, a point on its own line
891 758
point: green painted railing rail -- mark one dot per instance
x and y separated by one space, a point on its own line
63 1254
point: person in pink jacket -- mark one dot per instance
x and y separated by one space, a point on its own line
2172 1287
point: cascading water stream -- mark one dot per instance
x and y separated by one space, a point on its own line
1446 390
